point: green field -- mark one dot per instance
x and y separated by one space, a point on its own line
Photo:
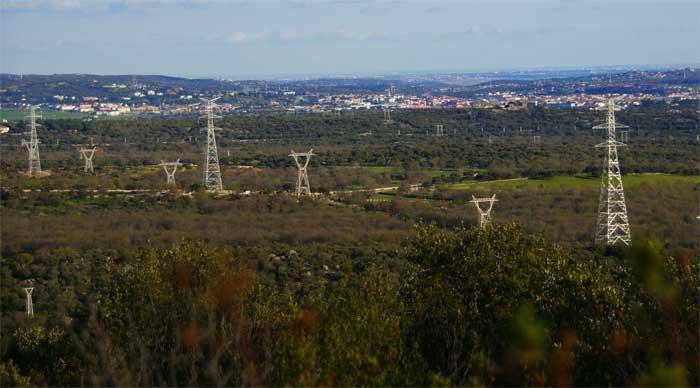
21 114
563 182
391 197
383 169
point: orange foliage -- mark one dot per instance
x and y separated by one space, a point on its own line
191 335
228 290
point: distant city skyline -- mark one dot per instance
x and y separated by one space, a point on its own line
210 38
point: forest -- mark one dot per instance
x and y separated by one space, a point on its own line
382 277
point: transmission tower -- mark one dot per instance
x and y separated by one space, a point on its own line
87 154
33 144
438 130
624 136
30 306
212 172
303 176
613 224
536 139
484 214
387 116
170 168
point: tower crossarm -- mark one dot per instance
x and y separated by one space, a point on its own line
611 143
307 154
295 156
209 108
170 164
87 153
32 116
210 100
605 126
210 116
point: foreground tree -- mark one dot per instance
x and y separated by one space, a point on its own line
489 306
496 306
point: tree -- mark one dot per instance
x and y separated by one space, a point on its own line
496 306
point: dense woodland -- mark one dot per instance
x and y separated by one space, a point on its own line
139 283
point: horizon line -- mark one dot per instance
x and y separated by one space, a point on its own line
365 74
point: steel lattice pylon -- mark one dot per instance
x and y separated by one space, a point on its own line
303 176
439 130
170 168
87 154
33 144
30 305
212 172
387 116
484 214
612 225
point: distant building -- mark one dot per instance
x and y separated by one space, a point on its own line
515 105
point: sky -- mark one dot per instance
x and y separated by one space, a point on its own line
265 38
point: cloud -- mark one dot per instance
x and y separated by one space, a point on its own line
34 5
141 4
19 5
66 4
359 35
436 9
247 37
287 35
98 5
472 30
240 37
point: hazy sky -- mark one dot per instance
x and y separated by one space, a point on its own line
258 38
